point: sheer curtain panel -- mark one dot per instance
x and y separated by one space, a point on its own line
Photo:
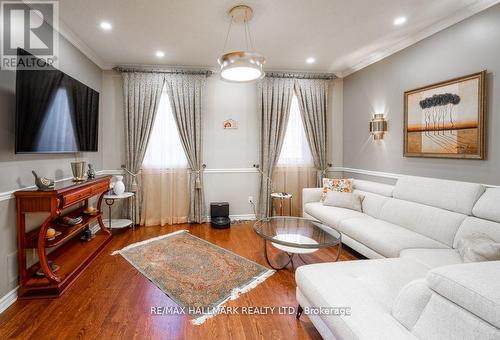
295 168
165 175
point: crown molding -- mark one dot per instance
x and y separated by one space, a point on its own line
458 16
73 38
408 41
69 35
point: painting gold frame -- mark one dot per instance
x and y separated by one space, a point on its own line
480 148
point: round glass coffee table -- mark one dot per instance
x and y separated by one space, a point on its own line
296 236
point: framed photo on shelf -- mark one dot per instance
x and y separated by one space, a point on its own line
447 119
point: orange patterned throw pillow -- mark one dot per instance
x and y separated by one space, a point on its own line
336 184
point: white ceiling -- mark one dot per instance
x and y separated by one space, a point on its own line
343 35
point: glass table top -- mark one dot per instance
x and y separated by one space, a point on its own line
297 232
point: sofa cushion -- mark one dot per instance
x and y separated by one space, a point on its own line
432 258
383 237
472 225
346 200
438 224
444 320
455 196
331 216
473 286
372 203
368 287
374 187
478 247
487 205
410 302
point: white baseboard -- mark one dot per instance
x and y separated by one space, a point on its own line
242 217
8 299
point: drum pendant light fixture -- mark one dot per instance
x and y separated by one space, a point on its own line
241 66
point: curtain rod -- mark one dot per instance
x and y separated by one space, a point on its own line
207 73
327 76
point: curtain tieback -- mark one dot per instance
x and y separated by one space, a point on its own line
133 184
197 173
269 181
322 173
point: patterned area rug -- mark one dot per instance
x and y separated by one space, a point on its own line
198 275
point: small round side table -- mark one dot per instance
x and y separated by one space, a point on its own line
282 197
117 223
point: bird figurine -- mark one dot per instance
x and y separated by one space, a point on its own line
43 183
91 172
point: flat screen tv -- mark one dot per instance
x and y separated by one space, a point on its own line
55 113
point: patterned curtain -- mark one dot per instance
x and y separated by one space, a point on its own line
274 98
186 97
312 95
141 92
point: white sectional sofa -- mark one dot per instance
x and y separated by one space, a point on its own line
416 285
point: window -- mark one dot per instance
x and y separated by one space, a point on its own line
295 149
164 149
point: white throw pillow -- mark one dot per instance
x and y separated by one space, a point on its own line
478 247
346 200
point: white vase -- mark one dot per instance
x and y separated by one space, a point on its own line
119 187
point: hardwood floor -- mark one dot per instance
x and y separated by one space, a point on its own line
112 300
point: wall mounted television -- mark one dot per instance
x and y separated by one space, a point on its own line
55 113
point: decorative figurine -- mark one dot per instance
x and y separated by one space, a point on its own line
54 267
91 172
87 235
43 183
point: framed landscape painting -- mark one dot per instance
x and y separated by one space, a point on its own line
447 120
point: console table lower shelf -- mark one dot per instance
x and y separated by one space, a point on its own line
73 257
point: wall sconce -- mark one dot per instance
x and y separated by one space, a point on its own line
378 126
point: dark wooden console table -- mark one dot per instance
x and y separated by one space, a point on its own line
71 255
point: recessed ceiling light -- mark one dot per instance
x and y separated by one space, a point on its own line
310 60
160 54
106 26
399 21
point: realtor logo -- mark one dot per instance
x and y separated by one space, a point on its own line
32 26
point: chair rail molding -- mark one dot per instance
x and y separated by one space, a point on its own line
7 195
10 194
372 173
230 170
394 176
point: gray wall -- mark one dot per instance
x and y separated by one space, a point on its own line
467 47
15 170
